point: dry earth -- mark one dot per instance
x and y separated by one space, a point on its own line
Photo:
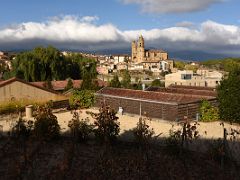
209 130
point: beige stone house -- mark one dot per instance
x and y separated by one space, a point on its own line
188 78
16 89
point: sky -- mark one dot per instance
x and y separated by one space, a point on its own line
197 26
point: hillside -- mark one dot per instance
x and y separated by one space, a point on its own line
226 64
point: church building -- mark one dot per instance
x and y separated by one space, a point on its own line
151 59
140 54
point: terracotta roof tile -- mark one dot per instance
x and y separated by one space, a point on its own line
193 87
60 85
152 96
189 91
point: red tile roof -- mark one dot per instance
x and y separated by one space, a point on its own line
184 91
60 85
152 96
193 87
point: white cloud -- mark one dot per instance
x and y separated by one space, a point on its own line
172 6
185 24
89 18
82 33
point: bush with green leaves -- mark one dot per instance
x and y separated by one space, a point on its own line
69 84
22 128
46 126
143 133
126 79
179 138
82 99
106 124
115 82
157 83
208 112
80 129
173 141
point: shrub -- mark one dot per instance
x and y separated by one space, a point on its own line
69 84
181 137
80 129
46 126
16 106
107 126
157 83
126 79
82 99
173 141
142 132
22 129
115 82
208 112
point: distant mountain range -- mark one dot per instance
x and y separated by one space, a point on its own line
180 55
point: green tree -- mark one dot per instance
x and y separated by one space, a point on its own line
22 129
157 83
69 84
42 63
48 84
179 64
229 97
143 133
80 129
88 77
107 125
82 99
126 79
208 112
191 67
46 126
115 82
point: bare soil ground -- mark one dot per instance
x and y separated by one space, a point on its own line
64 159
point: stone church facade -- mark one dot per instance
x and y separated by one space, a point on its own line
140 54
153 58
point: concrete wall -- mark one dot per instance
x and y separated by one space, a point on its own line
18 90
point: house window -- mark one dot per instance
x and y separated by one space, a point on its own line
186 76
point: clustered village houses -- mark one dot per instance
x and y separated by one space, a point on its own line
184 90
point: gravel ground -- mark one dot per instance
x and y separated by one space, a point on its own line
210 130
